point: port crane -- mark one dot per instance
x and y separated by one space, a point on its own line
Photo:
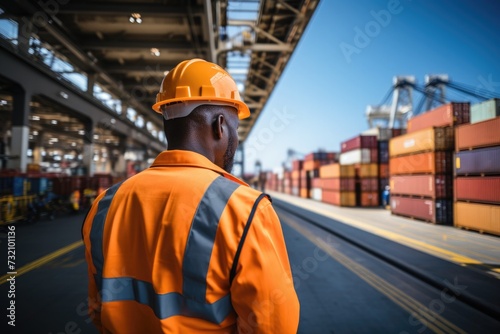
433 93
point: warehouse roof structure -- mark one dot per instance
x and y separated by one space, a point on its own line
126 47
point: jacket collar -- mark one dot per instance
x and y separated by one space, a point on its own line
180 158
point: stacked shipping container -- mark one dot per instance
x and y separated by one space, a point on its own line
295 176
361 153
477 173
310 173
336 184
421 165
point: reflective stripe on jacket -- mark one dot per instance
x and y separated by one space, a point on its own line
161 249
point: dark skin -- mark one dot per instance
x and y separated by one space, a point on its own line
209 130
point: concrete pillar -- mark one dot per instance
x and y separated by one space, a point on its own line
88 149
20 130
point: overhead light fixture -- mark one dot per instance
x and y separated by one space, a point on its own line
135 18
53 121
155 52
35 118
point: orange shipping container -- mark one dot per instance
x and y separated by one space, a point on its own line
336 170
304 192
430 139
482 134
367 170
446 115
479 217
369 198
341 198
423 163
311 164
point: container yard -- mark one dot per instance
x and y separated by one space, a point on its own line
217 166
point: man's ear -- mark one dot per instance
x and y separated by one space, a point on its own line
218 126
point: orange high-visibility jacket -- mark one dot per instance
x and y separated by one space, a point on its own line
184 247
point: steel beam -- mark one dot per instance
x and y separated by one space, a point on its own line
147 9
38 82
129 44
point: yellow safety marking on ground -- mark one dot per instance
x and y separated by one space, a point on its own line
407 241
43 260
425 316
497 270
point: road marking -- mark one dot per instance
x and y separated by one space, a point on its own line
426 317
43 260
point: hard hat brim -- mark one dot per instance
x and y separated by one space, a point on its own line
243 110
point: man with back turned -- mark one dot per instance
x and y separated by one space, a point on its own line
184 246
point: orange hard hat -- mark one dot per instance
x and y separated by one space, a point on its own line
197 82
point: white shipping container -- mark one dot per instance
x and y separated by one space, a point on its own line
381 133
359 156
485 110
295 191
317 194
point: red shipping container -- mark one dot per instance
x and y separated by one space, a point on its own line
323 156
344 184
482 134
433 186
359 142
398 132
384 171
369 184
435 211
478 189
369 199
450 114
297 164
439 162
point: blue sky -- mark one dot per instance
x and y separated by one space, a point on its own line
321 97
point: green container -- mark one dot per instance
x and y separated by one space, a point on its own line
484 110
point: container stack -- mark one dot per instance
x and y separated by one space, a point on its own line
287 182
310 173
383 137
271 181
295 175
336 184
361 152
420 165
477 171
